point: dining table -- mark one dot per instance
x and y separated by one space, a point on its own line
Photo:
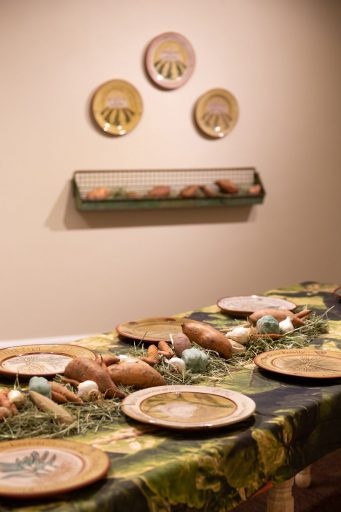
296 421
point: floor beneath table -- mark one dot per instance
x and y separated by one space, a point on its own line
324 492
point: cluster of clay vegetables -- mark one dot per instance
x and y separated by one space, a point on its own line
217 189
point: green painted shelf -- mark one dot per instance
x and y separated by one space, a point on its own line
119 184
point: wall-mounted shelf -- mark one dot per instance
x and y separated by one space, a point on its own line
126 189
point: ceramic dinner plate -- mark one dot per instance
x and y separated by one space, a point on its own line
117 107
41 360
248 304
152 329
170 60
216 112
312 363
34 468
188 407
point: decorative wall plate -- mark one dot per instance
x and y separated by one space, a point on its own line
117 107
188 407
248 304
34 468
41 360
170 60
216 112
316 364
152 329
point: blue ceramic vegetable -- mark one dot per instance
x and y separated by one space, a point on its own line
40 385
268 325
196 360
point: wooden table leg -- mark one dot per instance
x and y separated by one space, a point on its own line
280 498
303 478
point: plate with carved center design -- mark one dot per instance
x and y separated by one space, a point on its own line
41 360
248 304
152 330
188 407
216 112
170 60
308 362
117 107
34 468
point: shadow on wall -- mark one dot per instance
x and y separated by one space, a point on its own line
64 216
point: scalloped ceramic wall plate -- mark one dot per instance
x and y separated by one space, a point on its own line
170 60
117 107
216 113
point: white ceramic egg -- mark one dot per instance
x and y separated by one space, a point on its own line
177 364
286 325
240 334
86 387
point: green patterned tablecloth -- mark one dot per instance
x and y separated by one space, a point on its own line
156 470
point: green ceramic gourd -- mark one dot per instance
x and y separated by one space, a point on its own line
40 385
196 360
268 325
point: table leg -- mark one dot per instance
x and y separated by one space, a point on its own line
303 478
280 498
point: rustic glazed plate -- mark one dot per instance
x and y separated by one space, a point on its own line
170 60
246 305
312 363
152 329
216 112
34 468
117 107
188 407
41 360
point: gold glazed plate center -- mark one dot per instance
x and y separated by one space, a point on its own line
188 407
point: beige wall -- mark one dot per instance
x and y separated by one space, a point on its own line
63 272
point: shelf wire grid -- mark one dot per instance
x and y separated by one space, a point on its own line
142 181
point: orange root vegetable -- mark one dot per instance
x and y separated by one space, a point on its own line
110 359
165 349
138 374
4 402
208 337
45 404
98 194
227 186
82 368
159 191
153 356
189 191
280 315
303 313
73 382
207 191
66 393
58 397
4 413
